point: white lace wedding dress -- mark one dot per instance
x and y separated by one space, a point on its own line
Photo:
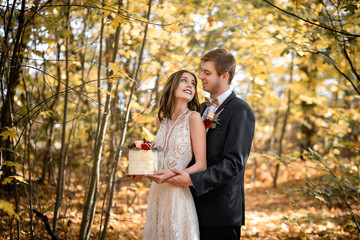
171 211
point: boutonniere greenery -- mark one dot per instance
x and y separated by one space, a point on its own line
212 120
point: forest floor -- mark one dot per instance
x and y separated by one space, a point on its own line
271 213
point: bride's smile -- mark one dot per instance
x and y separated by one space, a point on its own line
186 88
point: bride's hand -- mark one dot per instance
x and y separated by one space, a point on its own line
135 178
162 176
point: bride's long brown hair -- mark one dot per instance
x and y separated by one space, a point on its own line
167 100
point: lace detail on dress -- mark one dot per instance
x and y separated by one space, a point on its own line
178 144
171 211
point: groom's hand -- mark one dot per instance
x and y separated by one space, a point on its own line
181 179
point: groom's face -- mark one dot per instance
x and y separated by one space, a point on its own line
209 77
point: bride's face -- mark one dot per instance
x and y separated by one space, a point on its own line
186 88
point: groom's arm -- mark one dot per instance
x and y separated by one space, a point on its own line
181 178
236 151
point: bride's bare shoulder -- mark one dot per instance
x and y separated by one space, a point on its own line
195 117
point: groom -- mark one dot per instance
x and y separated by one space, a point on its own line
219 190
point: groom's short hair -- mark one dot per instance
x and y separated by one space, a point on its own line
224 61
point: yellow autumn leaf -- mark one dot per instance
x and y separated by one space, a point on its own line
46 114
114 67
9 133
38 53
174 27
107 9
30 3
128 53
118 70
14 178
336 151
71 67
112 78
115 22
107 92
17 166
7 208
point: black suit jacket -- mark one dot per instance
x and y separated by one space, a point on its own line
219 190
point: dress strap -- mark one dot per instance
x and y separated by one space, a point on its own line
188 115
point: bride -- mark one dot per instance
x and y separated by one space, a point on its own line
171 212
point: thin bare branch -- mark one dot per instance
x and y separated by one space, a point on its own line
310 22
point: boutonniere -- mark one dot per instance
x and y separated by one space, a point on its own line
212 120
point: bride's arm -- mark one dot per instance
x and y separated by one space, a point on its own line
198 143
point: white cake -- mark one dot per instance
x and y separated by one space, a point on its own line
142 162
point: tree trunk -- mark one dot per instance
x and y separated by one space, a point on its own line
50 126
91 198
156 91
4 54
63 151
308 127
283 129
13 81
27 141
113 179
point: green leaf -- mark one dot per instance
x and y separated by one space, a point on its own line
125 149
158 148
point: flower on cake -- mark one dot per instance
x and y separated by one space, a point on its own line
141 145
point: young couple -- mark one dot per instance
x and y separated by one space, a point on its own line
211 161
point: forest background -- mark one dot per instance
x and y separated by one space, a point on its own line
80 78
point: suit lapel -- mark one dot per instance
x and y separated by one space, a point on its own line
227 100
203 107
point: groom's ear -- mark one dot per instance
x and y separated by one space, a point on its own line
225 77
